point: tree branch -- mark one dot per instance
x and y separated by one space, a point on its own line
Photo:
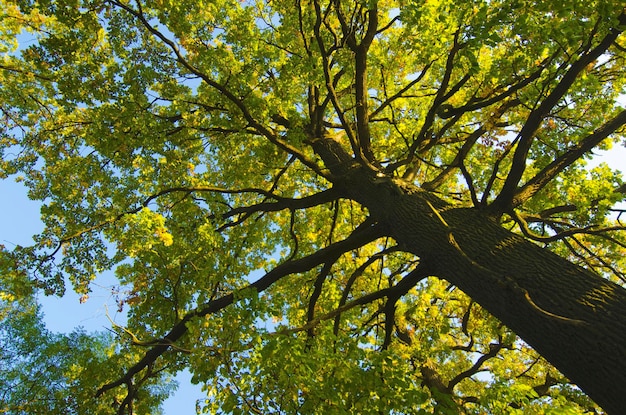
317 290
362 235
575 152
325 196
360 58
395 292
357 273
398 94
526 136
440 98
494 349
468 143
238 102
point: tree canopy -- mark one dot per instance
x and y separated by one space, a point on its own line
319 207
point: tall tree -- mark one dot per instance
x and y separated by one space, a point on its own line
332 207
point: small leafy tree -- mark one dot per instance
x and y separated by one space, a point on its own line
329 207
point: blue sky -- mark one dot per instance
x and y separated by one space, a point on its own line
19 220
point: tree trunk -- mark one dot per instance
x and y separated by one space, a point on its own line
571 316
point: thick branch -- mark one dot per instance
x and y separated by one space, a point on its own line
458 160
393 293
494 349
479 103
440 97
362 235
317 290
362 116
399 94
527 133
306 202
467 146
330 87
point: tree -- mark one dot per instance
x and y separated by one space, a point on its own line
42 372
332 207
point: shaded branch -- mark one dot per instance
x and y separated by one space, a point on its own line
398 290
494 174
399 94
360 80
494 349
317 290
466 148
470 184
356 274
23 71
330 87
561 234
365 233
439 99
456 163
281 203
325 196
479 103
602 262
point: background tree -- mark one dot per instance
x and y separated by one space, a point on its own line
42 372
319 207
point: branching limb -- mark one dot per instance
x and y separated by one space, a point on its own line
480 103
561 234
144 343
294 237
602 262
401 92
301 30
494 174
494 349
353 277
464 329
398 290
223 90
325 196
330 87
526 136
575 152
281 203
470 184
317 291
362 112
442 94
468 143
390 318
333 223
365 233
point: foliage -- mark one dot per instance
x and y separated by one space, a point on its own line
182 145
43 372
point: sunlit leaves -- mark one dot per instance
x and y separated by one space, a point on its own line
172 141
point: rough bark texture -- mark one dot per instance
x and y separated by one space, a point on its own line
571 316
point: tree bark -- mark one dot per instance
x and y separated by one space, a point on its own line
571 316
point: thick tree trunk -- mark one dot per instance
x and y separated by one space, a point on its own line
572 317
